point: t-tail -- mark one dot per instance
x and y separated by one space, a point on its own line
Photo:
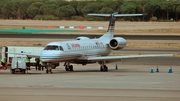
110 32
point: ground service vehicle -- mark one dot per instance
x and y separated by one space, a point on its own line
18 65
22 49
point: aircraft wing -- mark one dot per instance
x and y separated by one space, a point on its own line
119 58
27 54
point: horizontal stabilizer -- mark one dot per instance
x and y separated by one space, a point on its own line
115 15
119 15
100 15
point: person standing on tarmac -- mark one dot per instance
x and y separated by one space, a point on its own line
28 63
3 61
41 66
37 63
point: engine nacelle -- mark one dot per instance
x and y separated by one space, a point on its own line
117 43
82 38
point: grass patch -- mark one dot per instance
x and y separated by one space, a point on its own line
34 30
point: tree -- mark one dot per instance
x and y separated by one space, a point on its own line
24 4
1 5
111 4
62 3
119 4
151 7
143 3
80 6
166 6
34 9
128 8
106 10
65 11
176 9
6 9
74 4
91 8
15 9
48 8
23 9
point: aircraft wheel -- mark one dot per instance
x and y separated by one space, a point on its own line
105 68
23 71
47 71
66 67
12 71
71 67
50 71
101 68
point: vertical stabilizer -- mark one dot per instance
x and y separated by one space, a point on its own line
112 22
110 32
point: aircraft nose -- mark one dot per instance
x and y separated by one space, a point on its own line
49 55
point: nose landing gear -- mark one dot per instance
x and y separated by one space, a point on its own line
49 68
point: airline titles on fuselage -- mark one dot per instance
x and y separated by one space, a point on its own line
77 45
73 45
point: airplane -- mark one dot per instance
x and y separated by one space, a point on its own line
84 50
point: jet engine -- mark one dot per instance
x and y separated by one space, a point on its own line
117 43
82 38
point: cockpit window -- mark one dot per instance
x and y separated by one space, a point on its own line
51 47
61 48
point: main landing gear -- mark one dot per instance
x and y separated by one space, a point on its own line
103 67
68 67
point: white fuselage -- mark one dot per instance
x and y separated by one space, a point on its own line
75 49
